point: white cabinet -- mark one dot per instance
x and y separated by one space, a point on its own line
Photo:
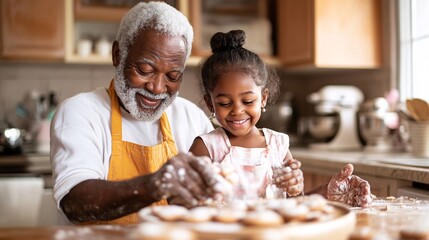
48 214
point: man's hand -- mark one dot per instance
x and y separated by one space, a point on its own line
350 189
289 177
188 180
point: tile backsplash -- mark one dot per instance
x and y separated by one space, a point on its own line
18 79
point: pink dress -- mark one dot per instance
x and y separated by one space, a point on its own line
253 165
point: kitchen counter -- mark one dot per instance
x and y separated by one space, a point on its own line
400 166
389 174
101 232
27 164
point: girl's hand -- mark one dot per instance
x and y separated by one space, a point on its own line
350 189
289 177
188 180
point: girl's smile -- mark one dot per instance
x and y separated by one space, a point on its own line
237 102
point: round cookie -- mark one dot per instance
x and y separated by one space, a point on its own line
230 215
146 215
200 214
160 231
278 204
263 218
315 202
170 212
298 213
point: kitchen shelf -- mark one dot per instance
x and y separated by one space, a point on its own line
82 21
98 12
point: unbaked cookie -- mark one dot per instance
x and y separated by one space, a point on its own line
200 214
316 202
170 212
160 231
298 213
263 218
230 215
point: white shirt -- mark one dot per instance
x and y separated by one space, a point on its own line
81 141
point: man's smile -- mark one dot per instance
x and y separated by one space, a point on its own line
146 102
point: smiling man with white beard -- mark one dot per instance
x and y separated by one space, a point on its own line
116 150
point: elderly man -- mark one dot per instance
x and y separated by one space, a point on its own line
107 144
116 150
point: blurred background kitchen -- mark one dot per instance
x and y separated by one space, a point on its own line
347 69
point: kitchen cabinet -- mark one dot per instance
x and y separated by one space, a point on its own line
89 22
32 30
252 16
332 34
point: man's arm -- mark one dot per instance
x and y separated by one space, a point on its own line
186 178
98 200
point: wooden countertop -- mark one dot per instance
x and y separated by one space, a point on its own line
401 166
99 232
25 163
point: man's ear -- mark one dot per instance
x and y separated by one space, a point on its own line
209 103
265 95
115 54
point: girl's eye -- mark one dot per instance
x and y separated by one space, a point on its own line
250 102
224 104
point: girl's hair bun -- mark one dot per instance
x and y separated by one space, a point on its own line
225 41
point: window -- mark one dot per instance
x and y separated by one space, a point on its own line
414 49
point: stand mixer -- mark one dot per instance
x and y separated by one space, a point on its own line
343 100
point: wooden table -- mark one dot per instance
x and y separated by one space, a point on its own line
98 232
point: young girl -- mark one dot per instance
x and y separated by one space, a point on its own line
237 86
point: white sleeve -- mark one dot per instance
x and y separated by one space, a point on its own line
76 146
188 121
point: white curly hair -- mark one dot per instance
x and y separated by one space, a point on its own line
156 15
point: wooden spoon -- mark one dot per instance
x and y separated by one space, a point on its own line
418 108
410 109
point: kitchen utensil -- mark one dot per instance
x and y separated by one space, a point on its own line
375 120
418 108
323 128
405 115
419 137
373 129
11 139
342 100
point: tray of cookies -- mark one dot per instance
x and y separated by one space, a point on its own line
300 218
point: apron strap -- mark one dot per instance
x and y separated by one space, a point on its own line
116 124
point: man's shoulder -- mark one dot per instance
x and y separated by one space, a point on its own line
86 103
184 104
94 97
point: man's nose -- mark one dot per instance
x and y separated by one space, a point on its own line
156 84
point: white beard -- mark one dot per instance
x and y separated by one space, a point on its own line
128 97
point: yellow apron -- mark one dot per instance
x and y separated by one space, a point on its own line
129 160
